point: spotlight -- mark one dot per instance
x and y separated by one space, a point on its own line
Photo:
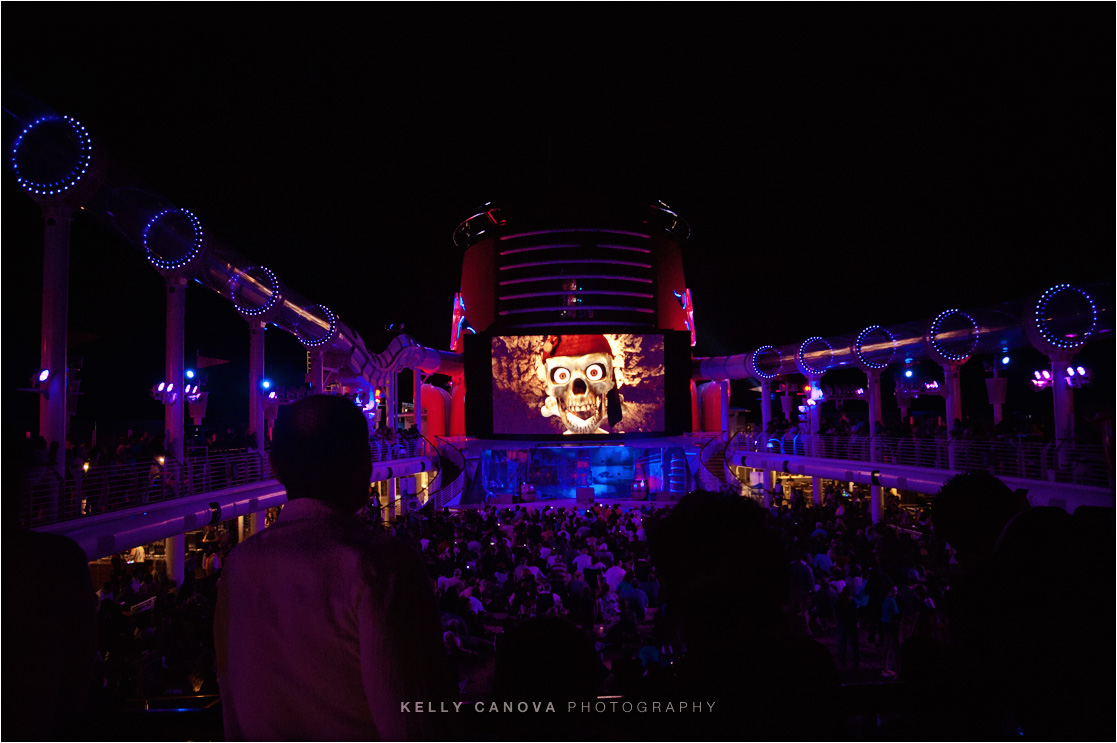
1046 374
189 373
164 393
1081 372
1070 371
44 375
1005 360
265 384
908 373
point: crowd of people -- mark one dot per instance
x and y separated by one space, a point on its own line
993 614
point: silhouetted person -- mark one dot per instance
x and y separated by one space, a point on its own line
970 512
1047 644
725 582
546 659
326 630
50 635
1030 615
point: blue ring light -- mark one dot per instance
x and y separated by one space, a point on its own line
273 286
56 186
936 327
859 343
196 243
755 369
803 363
1041 322
312 343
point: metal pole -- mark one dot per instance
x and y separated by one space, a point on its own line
315 375
998 403
873 391
723 391
255 377
765 405
952 379
1062 397
53 419
175 363
174 553
418 384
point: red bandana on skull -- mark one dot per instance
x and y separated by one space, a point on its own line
578 372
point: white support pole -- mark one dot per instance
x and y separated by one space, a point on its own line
876 502
873 392
174 555
255 377
952 376
418 385
997 393
724 388
1062 398
174 413
765 405
256 521
315 376
56 307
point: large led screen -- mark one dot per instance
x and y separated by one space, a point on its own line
583 384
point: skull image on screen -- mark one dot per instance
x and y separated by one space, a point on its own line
581 384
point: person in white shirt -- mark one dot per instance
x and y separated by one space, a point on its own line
324 628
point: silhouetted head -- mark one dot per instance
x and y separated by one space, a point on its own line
970 512
709 542
320 450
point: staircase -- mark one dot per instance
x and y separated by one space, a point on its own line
716 464
717 476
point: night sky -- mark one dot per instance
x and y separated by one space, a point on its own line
840 165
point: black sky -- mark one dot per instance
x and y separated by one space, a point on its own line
840 164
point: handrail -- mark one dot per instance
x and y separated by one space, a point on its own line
730 446
449 491
706 478
438 467
47 498
1058 461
